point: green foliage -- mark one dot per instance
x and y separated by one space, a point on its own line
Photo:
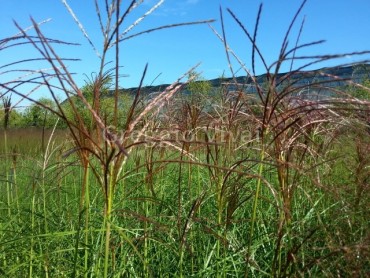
15 120
106 104
361 93
106 109
39 115
198 86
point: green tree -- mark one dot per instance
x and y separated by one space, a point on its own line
15 118
193 102
198 88
361 93
38 115
103 103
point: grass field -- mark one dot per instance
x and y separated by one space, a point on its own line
221 184
211 209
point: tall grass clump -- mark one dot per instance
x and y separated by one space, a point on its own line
193 180
101 148
295 135
7 109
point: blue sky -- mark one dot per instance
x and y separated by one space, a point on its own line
345 25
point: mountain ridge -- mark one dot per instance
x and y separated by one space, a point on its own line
334 76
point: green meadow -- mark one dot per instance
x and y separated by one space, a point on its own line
207 183
218 205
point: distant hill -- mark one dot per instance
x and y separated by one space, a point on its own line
334 76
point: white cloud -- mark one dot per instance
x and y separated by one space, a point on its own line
191 2
173 8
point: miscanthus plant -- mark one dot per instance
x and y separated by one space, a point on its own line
207 184
100 147
291 130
